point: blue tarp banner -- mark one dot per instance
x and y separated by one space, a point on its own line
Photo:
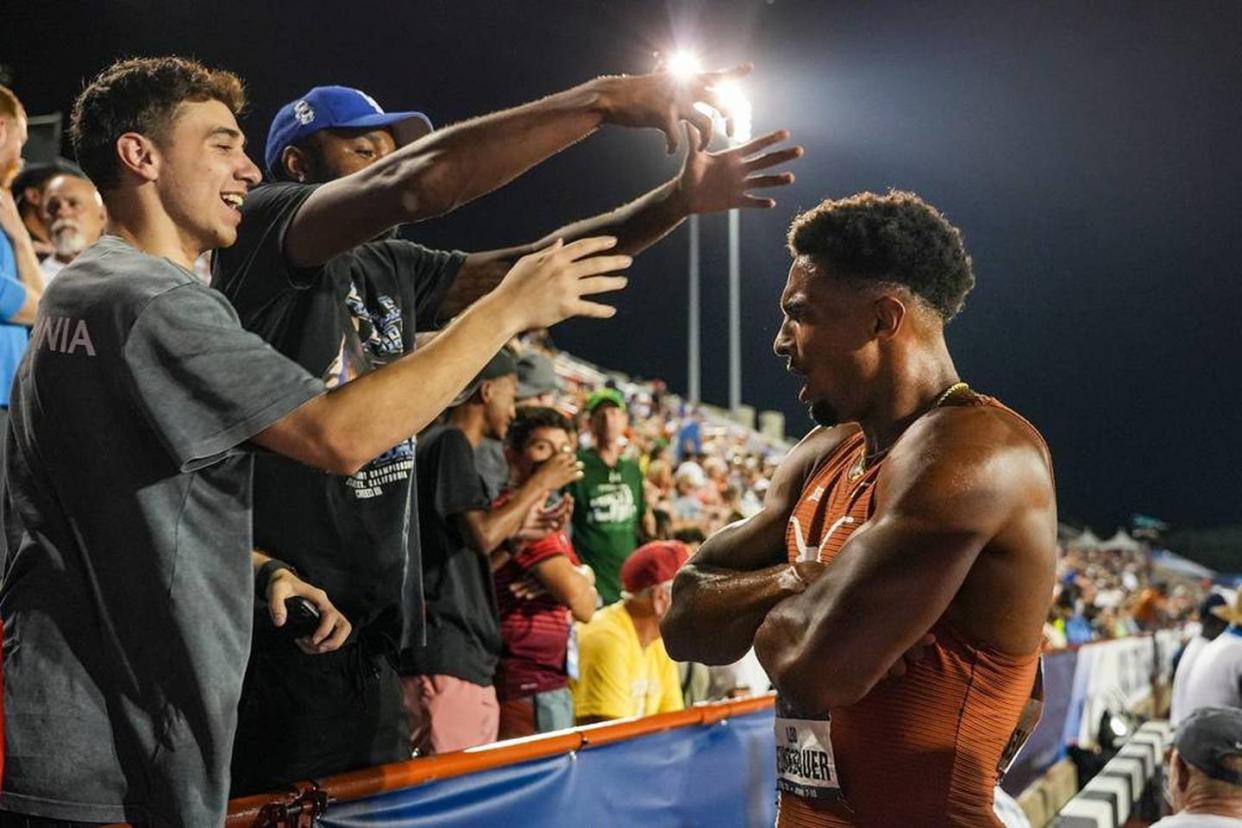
710 775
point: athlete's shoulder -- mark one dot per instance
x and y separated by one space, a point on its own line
983 448
796 469
817 445
981 428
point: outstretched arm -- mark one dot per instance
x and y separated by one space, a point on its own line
723 594
944 494
345 428
452 166
708 182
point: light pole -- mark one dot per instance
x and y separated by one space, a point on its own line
737 106
683 64
694 390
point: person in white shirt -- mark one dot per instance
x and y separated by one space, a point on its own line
1204 781
1215 677
1210 626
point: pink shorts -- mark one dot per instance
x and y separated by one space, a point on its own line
447 713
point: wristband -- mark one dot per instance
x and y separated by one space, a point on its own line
264 576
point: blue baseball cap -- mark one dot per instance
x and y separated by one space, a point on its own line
332 107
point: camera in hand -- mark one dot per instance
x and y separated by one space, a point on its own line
301 619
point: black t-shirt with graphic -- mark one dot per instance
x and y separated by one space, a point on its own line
463 623
354 536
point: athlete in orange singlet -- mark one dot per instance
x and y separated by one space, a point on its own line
919 520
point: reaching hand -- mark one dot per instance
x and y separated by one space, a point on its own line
549 285
714 181
333 627
661 100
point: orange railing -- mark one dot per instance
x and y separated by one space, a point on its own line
311 795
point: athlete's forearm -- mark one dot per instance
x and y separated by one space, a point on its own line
716 612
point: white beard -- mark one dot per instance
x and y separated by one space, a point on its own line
67 240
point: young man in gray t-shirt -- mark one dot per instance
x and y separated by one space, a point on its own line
127 599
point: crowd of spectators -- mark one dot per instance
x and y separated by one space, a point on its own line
1109 590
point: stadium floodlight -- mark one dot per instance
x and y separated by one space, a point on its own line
683 63
736 105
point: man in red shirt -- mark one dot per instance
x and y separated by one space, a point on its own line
540 590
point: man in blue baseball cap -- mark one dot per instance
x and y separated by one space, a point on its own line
343 112
317 272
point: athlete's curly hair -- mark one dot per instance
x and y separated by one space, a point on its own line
141 95
896 239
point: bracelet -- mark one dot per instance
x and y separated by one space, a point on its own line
264 576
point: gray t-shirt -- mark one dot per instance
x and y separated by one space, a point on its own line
127 601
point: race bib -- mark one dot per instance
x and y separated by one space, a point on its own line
805 765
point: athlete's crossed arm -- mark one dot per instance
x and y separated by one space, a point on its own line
723 594
944 493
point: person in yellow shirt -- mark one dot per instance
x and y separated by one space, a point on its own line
623 667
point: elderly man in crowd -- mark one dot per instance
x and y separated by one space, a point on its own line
74 215
624 669
1204 782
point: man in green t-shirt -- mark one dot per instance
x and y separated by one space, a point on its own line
610 513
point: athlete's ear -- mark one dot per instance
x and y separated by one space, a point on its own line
890 314
138 154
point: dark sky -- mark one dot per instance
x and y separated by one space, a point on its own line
1091 153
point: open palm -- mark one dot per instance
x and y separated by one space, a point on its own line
723 180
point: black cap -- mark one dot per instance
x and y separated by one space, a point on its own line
1213 600
500 365
1207 737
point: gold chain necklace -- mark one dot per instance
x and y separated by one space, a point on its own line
864 460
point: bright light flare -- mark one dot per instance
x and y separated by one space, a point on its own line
736 105
682 64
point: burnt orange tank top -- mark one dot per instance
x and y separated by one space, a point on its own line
923 749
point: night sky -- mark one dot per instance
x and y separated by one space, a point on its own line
1091 154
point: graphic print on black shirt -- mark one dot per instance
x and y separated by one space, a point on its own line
355 536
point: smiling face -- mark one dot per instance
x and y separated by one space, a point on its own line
204 175
827 337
